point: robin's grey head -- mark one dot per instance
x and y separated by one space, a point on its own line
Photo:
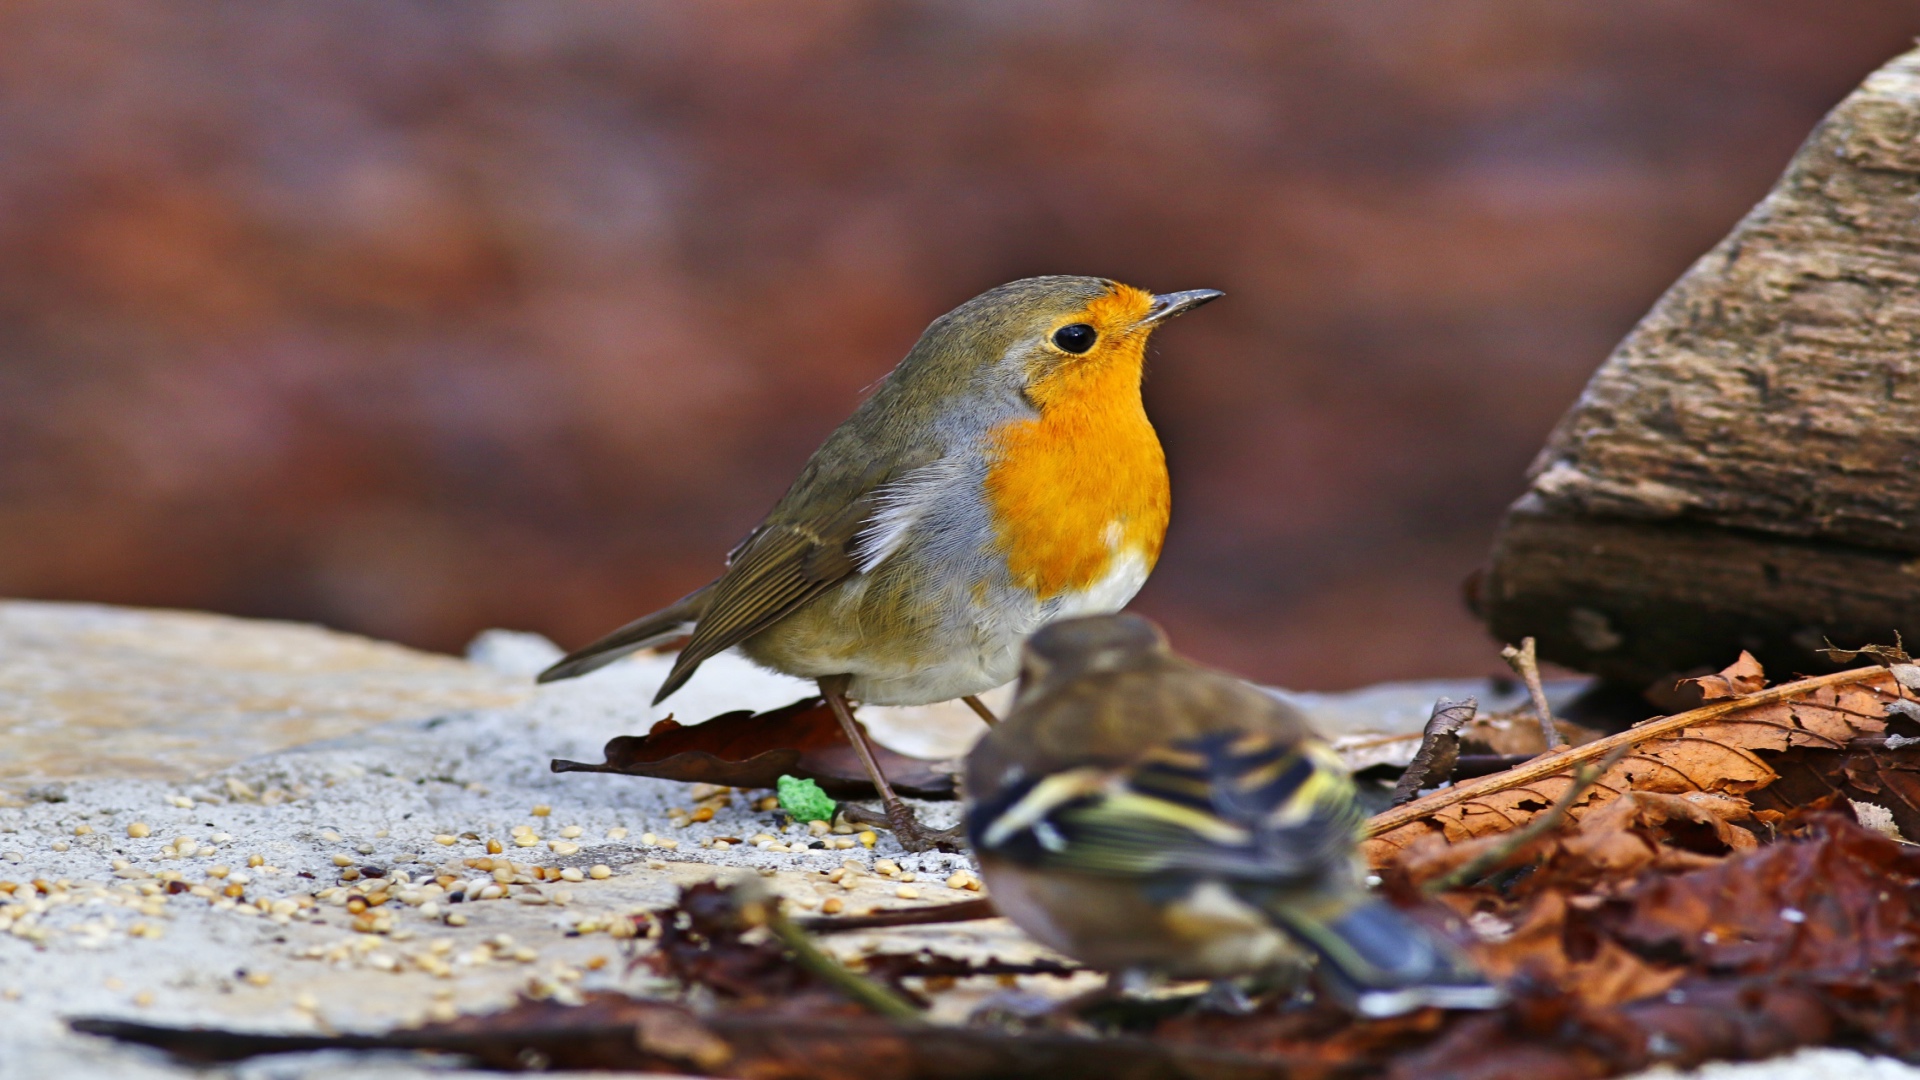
1074 647
1035 329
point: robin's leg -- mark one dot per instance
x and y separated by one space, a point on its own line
906 828
980 709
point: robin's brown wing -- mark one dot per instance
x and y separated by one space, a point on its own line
809 543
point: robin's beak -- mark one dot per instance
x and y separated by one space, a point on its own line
1166 305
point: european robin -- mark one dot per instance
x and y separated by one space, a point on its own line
1148 816
1002 476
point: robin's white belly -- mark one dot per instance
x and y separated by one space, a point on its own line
985 651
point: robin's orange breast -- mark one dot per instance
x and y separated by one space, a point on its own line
1083 483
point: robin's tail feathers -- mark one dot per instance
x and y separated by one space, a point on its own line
645 632
1386 964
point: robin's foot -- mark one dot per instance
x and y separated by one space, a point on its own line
909 830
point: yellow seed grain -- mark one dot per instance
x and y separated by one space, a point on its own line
571 831
343 860
139 830
542 810
600 872
616 833
868 838
571 874
907 892
82 830
495 847
446 839
705 813
256 860
832 905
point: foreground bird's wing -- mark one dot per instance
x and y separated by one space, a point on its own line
1244 806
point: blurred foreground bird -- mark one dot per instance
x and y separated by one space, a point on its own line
1004 475
1146 815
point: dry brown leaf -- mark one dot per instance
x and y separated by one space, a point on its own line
1740 678
1715 750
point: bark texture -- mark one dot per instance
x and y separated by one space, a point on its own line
1741 472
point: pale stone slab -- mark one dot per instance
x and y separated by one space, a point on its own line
101 692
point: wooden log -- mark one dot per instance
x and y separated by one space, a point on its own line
1744 470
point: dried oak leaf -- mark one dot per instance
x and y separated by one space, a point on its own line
1840 902
1886 776
1740 678
1721 748
1641 830
753 750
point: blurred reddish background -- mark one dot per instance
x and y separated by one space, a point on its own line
415 319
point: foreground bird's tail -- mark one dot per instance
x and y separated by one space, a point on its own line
1383 962
645 632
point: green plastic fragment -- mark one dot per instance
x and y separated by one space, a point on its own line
804 800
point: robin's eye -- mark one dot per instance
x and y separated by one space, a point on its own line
1076 339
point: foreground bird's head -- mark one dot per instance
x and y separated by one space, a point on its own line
1047 335
1071 648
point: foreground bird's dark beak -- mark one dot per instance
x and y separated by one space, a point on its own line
1166 305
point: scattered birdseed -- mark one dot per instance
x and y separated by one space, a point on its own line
571 874
647 838
524 840
656 864
61 845
542 810
563 848
256 860
364 849
705 813
907 892
82 830
868 838
494 847
330 836
600 872
571 831
618 833
139 830
180 801
832 905
343 860
446 839
145 997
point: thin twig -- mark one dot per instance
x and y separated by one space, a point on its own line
1484 863
765 911
1432 764
1525 662
932 914
1647 730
